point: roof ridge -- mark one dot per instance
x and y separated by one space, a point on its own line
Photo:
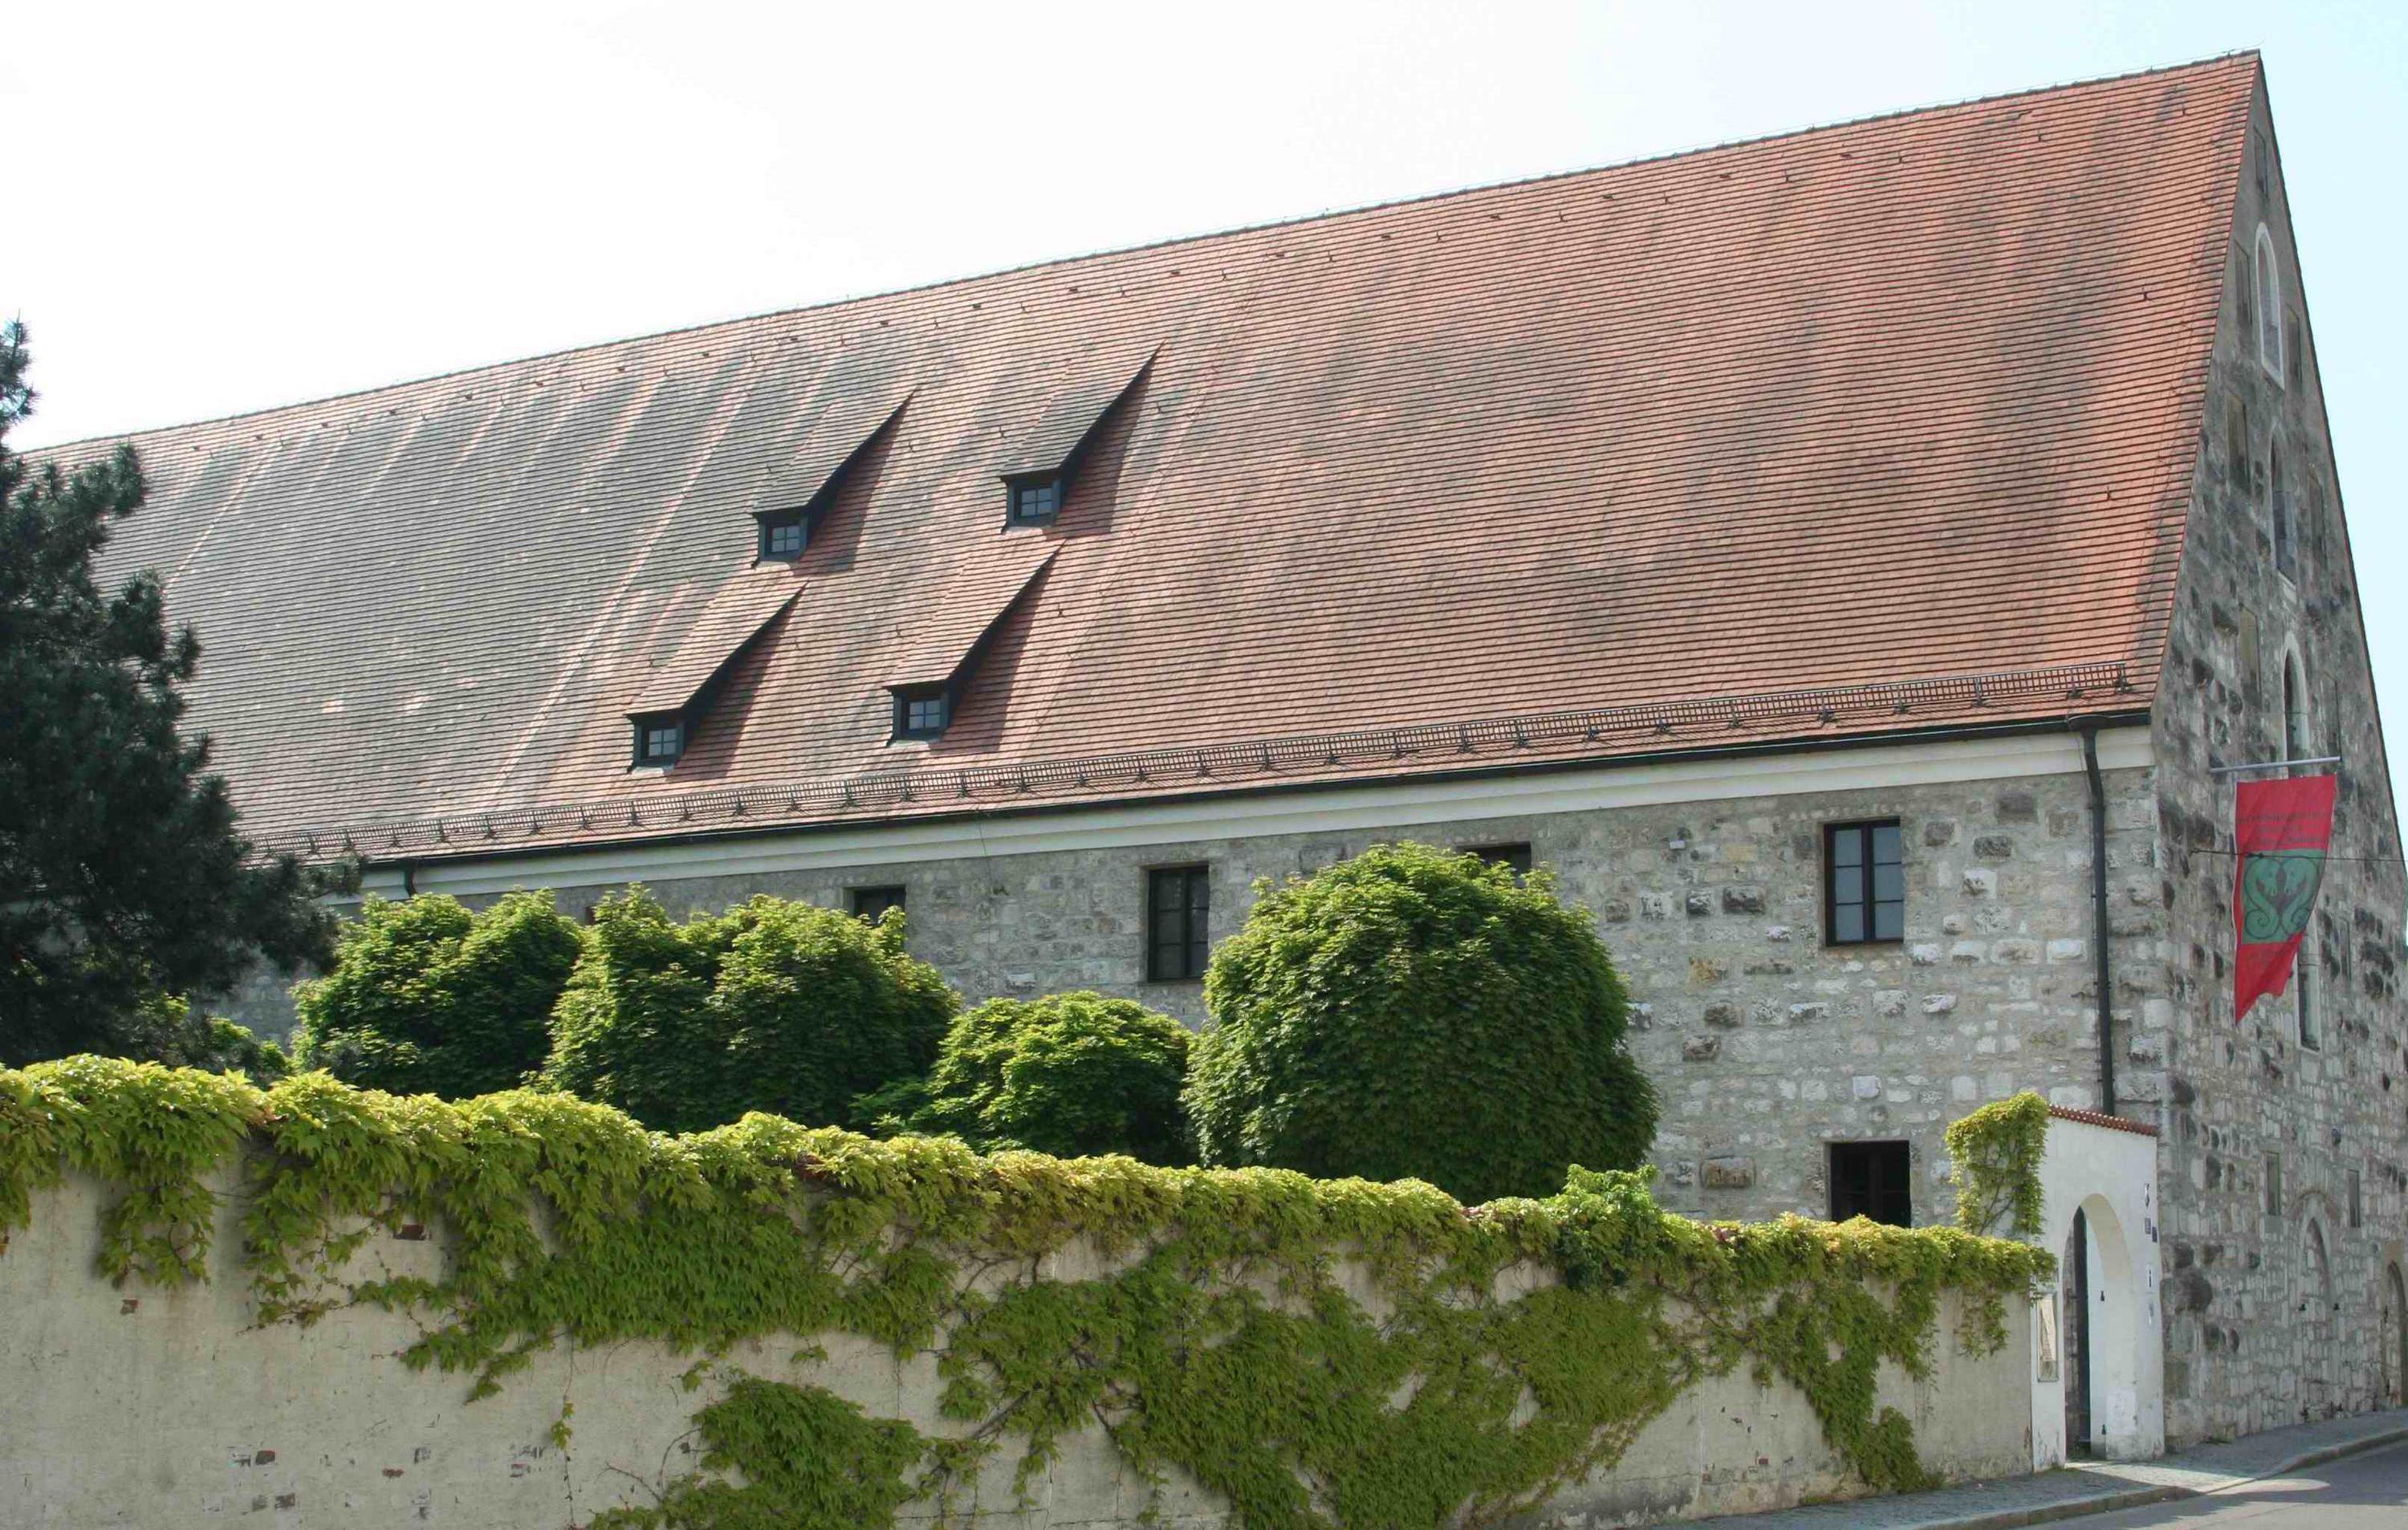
1326 215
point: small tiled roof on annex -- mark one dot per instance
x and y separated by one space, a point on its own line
1876 405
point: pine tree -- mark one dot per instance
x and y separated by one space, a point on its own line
123 877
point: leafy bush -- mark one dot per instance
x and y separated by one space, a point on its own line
773 1006
1073 1075
1412 1013
428 998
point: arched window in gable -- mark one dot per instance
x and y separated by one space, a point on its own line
2270 305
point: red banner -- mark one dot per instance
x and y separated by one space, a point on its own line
2281 831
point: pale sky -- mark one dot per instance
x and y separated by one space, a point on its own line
220 208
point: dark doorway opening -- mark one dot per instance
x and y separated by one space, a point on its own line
1871 1179
2074 1300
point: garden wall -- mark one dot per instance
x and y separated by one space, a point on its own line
326 1305
169 1406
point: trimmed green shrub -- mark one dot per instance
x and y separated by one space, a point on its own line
1073 1075
428 998
1414 1013
773 1006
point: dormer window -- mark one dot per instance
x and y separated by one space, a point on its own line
676 698
1034 501
801 482
659 739
921 712
784 536
1042 463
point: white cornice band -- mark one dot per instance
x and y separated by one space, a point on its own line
1386 806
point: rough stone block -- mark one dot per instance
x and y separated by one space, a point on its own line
1940 831
1729 1173
1743 900
1699 904
1994 847
2018 806
1724 1015
1701 1049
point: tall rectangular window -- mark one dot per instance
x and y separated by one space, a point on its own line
1871 1179
2356 1201
870 903
1177 916
2274 1184
1864 883
2304 993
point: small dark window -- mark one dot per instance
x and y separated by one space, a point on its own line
1515 856
871 903
659 740
784 537
922 713
1034 502
1864 883
1178 913
2274 1184
1869 1180
2357 1202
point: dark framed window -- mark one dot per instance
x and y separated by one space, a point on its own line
922 712
1178 917
2274 1184
2356 1201
659 740
870 903
784 536
1871 1179
1034 501
1864 883
1517 857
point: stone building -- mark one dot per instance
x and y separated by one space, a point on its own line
1814 550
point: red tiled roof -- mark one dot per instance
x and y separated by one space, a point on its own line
2092 1118
1886 405
985 584
734 615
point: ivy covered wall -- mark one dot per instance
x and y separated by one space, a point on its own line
328 1305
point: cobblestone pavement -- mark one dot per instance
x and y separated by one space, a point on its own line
2097 1487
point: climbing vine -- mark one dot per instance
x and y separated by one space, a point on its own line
1223 1339
1994 1162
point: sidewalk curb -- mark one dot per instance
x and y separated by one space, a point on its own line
2139 1497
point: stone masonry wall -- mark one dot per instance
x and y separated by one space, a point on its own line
2284 1166
1763 1043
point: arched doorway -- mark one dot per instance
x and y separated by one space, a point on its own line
2393 1347
2073 1302
2317 1310
2099 1296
